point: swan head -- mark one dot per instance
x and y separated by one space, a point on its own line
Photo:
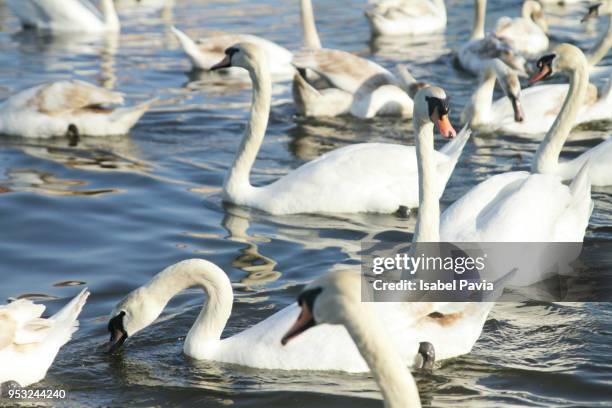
565 58
132 314
431 106
243 55
324 301
596 10
510 83
533 9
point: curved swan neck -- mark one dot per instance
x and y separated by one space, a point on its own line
547 156
237 181
218 307
480 10
309 27
394 379
111 20
482 100
603 46
428 221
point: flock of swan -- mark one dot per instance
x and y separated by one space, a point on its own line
328 328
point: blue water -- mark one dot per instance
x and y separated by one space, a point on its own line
112 212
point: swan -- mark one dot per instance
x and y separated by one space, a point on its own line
452 332
335 299
406 17
531 206
204 53
526 35
474 54
67 108
30 343
66 15
601 48
364 177
547 158
351 85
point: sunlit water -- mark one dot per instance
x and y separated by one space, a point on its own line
113 212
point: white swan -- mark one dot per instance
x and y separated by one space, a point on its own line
352 85
30 343
537 206
69 108
66 15
206 52
406 17
335 299
365 177
474 55
452 329
601 48
547 158
526 35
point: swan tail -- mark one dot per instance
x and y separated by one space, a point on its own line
191 48
304 94
454 148
66 321
407 81
126 118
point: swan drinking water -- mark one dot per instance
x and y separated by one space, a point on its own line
30 343
365 177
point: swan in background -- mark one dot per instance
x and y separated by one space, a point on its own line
335 299
526 35
30 343
537 206
474 55
406 17
599 50
365 177
482 112
206 52
351 84
67 108
66 15
547 157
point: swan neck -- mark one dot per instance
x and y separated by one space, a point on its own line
213 281
547 155
428 220
602 47
394 379
482 100
109 13
237 182
478 29
309 27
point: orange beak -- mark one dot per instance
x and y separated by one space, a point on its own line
225 63
304 322
444 126
544 72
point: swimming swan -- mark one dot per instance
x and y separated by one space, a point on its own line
526 35
335 299
406 17
66 15
364 177
30 343
531 207
69 108
452 332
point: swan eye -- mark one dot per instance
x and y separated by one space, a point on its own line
231 51
309 296
441 104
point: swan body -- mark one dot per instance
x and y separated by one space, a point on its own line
335 299
367 177
57 108
30 343
406 17
206 52
66 15
548 210
474 55
359 87
526 35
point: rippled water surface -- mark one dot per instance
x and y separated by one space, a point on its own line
112 212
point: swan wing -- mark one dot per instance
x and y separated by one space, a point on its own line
67 96
343 69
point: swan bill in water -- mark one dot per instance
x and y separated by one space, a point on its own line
118 334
